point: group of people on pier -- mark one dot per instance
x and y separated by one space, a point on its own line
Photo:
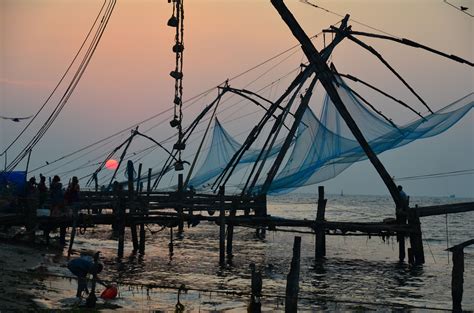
55 199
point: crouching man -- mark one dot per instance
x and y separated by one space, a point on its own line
82 267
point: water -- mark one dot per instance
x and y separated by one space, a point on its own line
360 271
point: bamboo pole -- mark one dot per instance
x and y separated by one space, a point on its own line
292 282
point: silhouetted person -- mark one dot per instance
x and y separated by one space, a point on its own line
82 267
403 196
56 196
43 191
72 193
31 186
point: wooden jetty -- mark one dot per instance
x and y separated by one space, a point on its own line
124 209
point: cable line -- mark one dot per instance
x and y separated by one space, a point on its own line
438 175
57 85
342 15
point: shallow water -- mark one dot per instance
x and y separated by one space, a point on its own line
360 271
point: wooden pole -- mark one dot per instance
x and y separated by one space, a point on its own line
327 80
131 205
457 279
73 231
144 209
416 240
120 222
170 245
320 231
139 177
292 281
230 233
255 305
222 227
62 234
180 209
401 218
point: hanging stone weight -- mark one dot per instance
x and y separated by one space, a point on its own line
174 122
179 146
178 166
178 48
173 21
176 75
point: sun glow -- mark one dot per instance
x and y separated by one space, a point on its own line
111 164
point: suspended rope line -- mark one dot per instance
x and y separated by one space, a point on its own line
225 175
438 175
126 142
191 101
191 169
413 44
76 159
342 15
59 82
379 56
87 57
460 8
356 79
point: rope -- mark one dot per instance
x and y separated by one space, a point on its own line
59 83
190 102
72 85
341 15
460 8
438 175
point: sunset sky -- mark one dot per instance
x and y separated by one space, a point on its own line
128 78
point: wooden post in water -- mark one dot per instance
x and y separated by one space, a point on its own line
401 216
292 280
320 231
222 227
170 244
230 233
144 210
139 177
120 221
255 305
131 205
180 208
73 231
457 279
416 241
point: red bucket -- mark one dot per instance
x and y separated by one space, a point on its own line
109 293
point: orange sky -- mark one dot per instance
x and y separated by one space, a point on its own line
128 80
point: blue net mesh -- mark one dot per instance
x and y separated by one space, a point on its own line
325 146
222 148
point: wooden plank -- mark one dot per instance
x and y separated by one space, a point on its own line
444 209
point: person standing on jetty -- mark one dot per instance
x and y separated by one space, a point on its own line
71 197
56 196
42 191
403 196
82 267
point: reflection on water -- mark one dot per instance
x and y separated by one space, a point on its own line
357 269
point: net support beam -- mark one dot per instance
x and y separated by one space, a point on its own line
327 78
